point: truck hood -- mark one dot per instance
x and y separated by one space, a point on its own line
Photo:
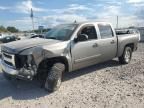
17 46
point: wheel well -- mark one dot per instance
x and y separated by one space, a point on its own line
45 64
131 45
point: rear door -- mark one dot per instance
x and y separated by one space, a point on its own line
86 53
108 42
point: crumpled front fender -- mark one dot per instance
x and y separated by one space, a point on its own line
46 52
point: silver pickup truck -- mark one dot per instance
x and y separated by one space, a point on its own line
65 48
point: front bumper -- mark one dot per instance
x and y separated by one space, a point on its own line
11 72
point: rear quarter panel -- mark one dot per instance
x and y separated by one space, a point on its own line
124 40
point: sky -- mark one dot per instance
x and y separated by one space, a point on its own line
49 13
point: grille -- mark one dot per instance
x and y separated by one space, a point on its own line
9 59
8 63
8 56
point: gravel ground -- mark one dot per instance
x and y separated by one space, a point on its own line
106 85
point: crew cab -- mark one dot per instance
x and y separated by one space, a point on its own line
65 48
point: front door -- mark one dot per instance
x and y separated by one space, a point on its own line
86 53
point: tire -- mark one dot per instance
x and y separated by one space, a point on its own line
126 56
54 78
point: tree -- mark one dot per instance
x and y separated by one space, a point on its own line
12 29
3 29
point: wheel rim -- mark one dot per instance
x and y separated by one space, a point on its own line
127 55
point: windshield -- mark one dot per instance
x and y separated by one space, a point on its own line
61 32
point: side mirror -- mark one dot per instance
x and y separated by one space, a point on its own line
81 37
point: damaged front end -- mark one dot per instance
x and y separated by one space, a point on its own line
19 66
26 66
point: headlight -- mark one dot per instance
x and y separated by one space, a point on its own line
29 60
20 60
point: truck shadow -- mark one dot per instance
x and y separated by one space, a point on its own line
27 90
90 69
20 90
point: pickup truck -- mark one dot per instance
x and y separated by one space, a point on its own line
65 48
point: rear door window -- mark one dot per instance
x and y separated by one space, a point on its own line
105 31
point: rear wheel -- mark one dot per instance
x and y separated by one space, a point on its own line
54 78
126 56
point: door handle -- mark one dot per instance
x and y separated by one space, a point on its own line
112 42
95 45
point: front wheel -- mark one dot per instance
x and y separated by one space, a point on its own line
54 78
126 56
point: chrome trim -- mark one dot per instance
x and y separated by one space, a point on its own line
8 69
11 60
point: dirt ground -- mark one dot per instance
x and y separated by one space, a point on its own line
106 85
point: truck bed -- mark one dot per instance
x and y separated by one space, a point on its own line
123 39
